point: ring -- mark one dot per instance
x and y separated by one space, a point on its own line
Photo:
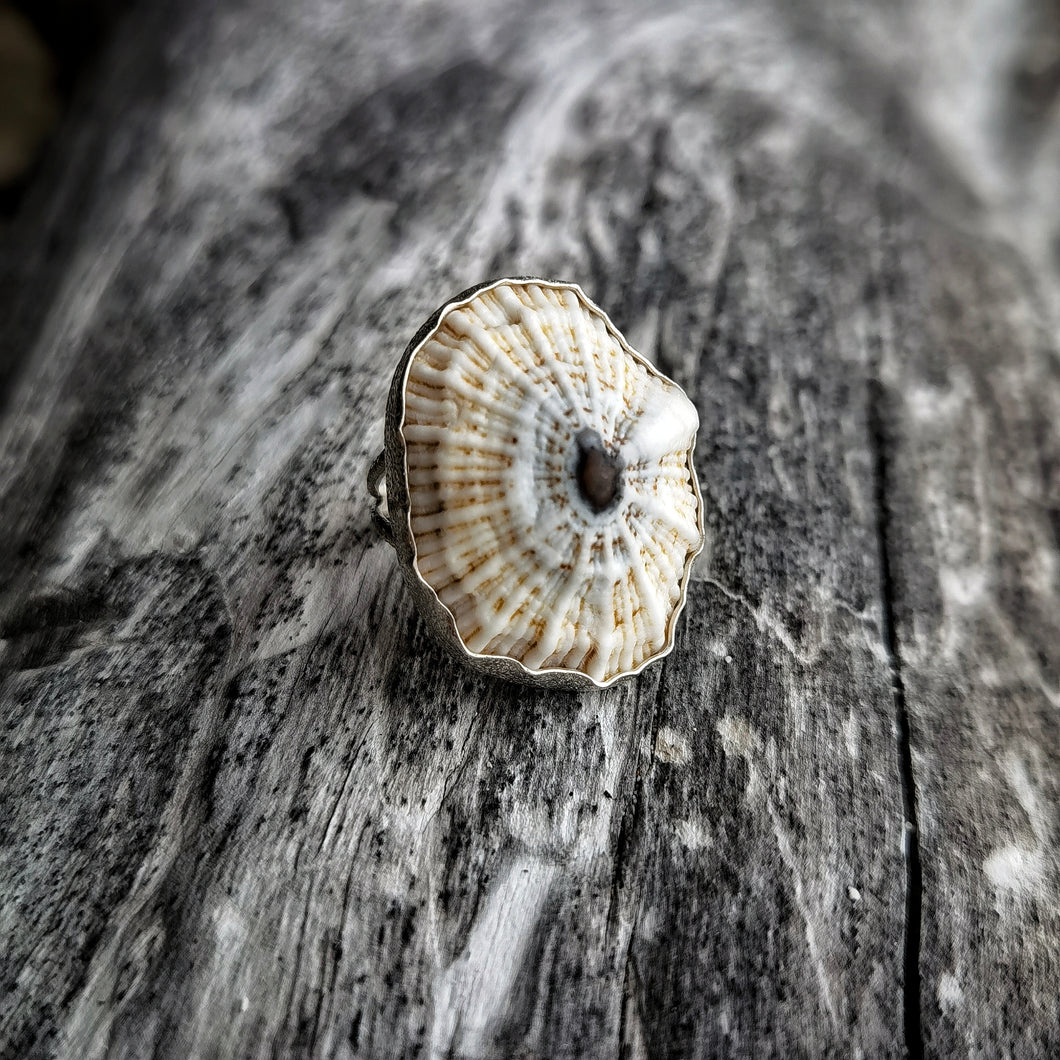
538 487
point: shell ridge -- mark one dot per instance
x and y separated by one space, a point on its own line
661 556
558 374
515 604
540 376
553 307
659 514
556 606
649 600
585 349
619 407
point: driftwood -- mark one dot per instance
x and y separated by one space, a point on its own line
248 808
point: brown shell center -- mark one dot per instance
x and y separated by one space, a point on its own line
598 472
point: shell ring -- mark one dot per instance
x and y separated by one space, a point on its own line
537 485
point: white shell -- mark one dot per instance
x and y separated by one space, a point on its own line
496 395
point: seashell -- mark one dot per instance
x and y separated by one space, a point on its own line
539 482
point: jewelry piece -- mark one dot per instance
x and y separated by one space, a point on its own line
539 491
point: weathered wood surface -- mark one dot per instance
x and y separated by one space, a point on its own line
248 809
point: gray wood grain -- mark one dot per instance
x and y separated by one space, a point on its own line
247 808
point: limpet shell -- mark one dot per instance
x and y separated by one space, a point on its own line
540 488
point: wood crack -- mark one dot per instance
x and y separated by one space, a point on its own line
881 472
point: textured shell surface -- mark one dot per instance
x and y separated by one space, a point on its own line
552 503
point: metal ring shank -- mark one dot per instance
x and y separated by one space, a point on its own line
377 490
